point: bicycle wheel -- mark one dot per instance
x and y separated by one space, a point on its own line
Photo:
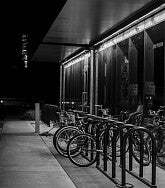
62 137
136 151
84 147
161 152
109 144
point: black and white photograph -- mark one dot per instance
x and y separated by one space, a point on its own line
82 94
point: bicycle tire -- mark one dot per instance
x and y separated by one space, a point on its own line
84 146
62 137
109 145
136 151
160 149
161 152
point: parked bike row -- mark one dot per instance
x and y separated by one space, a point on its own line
88 139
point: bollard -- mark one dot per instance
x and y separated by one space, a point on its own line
37 118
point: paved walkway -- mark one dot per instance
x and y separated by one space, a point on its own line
90 177
25 160
28 160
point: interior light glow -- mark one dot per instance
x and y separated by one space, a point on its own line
107 44
159 18
150 22
142 23
67 61
140 27
25 63
76 59
161 7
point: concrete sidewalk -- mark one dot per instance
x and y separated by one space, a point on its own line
28 160
25 160
92 178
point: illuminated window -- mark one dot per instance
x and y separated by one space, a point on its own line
25 49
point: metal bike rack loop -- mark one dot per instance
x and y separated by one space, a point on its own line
116 133
111 124
151 184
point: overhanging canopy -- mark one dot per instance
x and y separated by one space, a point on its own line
83 22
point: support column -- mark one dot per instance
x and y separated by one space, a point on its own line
133 83
148 58
61 84
63 89
149 87
119 61
164 61
96 83
92 62
37 117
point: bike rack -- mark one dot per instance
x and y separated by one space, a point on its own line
92 129
139 176
123 140
118 131
99 151
124 136
95 128
110 124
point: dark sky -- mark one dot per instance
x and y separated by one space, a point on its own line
39 80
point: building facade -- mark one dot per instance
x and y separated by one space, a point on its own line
120 69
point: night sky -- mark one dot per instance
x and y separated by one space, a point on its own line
40 81
37 82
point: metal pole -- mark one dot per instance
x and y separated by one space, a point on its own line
96 84
92 62
61 84
37 117
63 89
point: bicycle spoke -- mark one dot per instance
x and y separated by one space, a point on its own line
84 147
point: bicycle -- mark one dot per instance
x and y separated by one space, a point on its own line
157 127
82 148
136 120
155 122
85 147
63 135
